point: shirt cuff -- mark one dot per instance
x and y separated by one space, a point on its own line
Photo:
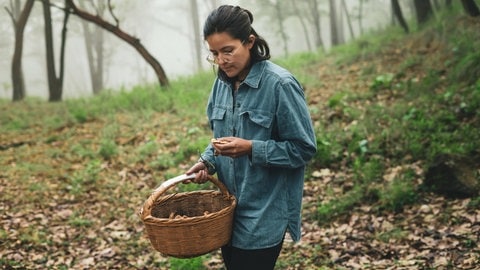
259 152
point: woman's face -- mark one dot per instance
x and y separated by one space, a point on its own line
231 55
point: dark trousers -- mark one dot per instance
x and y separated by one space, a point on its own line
246 259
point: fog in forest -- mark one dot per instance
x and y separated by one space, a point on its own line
165 30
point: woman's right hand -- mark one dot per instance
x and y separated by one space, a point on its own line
201 172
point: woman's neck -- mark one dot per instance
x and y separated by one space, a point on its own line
242 75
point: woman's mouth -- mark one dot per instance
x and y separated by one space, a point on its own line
228 69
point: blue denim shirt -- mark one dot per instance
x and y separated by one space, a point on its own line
269 109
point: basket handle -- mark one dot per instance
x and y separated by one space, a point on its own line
147 206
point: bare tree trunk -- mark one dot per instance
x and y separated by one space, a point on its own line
135 42
313 5
54 85
94 47
333 23
19 21
97 82
61 76
299 15
360 16
280 20
397 10
344 6
471 8
196 34
423 10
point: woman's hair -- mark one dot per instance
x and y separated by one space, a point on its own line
237 22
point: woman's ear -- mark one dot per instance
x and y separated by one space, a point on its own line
251 41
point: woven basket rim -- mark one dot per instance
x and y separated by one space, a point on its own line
145 211
169 221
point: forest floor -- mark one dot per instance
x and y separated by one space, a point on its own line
62 209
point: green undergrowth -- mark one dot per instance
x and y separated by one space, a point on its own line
423 107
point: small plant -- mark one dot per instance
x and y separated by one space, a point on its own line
186 264
3 234
32 235
381 82
108 149
79 114
147 149
395 233
77 221
340 206
474 203
335 100
369 171
410 62
82 150
329 150
84 177
163 161
400 192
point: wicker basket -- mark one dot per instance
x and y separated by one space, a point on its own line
188 224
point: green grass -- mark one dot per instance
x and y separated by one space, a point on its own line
187 264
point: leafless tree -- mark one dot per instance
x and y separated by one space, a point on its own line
94 44
397 11
281 18
314 8
471 8
19 19
334 29
55 83
196 33
424 10
301 18
115 29
349 21
277 12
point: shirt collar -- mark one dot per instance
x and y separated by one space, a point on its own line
256 74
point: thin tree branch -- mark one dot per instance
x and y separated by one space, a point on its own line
135 42
11 15
110 9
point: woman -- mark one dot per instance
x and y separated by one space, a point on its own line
264 139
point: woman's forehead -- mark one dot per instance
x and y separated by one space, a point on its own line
217 41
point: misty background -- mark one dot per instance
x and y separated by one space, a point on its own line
164 27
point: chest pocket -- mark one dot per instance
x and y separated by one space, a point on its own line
217 122
255 124
218 113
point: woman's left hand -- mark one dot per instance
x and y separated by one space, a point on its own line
201 173
232 147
